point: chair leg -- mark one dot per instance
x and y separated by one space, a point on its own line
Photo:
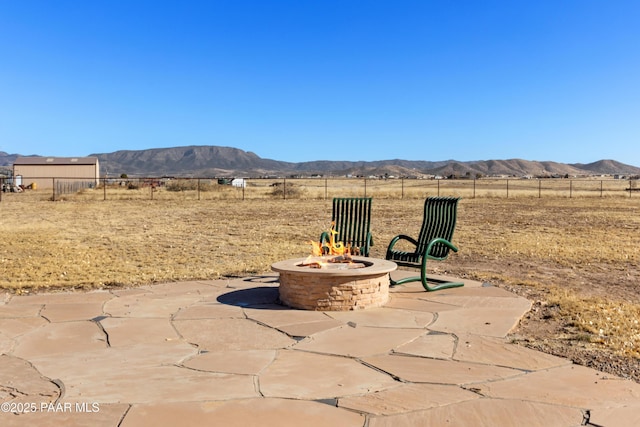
440 284
393 283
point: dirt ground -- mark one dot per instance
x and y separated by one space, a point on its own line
550 329
585 292
577 260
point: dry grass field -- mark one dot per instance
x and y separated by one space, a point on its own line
577 258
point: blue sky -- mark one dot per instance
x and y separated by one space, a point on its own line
324 80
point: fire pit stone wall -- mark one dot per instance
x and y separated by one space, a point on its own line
326 290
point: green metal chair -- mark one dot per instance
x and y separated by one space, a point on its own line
433 242
351 223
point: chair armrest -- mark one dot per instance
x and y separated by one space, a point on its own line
400 237
445 242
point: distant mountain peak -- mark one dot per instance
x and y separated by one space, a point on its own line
218 161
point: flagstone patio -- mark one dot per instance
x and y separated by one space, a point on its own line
224 352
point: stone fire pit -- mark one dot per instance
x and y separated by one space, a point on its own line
340 286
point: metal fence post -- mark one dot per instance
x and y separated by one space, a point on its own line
570 188
539 188
600 188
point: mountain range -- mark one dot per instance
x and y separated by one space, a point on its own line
217 161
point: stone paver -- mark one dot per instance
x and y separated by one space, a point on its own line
242 413
71 311
302 375
301 330
130 331
486 413
437 371
568 385
385 318
20 381
356 341
407 398
66 414
495 351
225 352
432 345
231 334
60 339
245 362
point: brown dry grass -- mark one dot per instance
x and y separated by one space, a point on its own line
576 259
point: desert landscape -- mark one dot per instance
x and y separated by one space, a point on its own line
576 259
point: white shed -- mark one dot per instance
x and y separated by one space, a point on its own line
239 182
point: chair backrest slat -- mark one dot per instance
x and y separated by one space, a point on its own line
352 218
439 221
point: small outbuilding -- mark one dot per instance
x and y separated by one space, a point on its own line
45 172
239 182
